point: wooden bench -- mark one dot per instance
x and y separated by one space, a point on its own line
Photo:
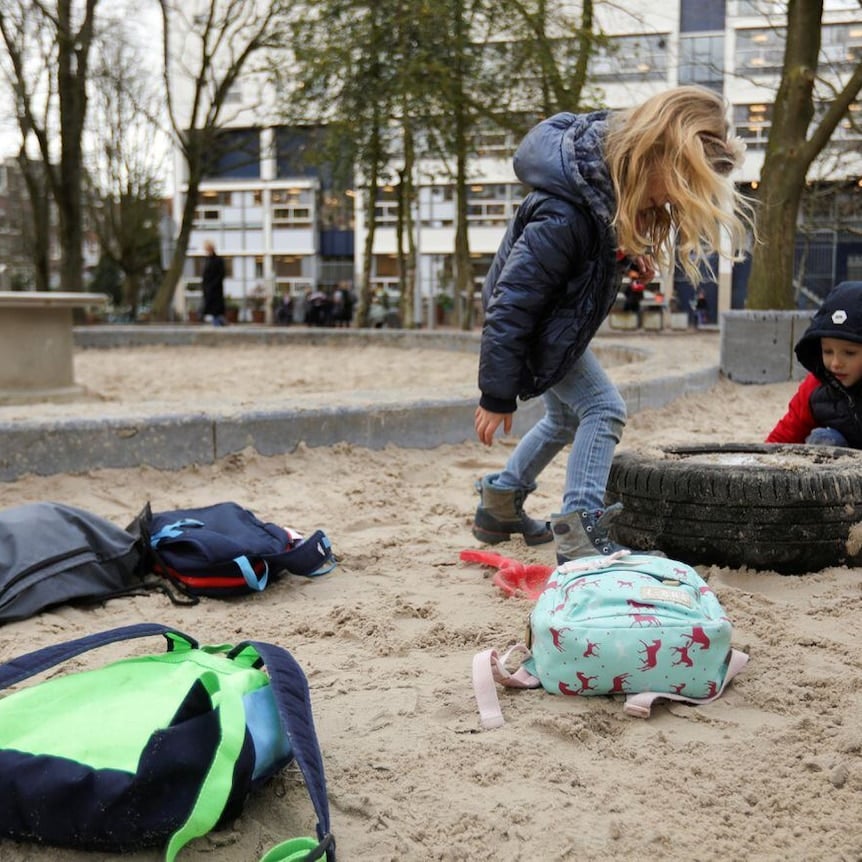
36 344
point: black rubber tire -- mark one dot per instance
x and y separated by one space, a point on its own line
766 506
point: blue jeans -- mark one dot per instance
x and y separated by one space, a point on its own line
583 410
826 437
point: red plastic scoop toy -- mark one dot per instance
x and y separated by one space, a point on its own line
512 577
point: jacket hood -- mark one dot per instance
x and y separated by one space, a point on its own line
840 316
564 156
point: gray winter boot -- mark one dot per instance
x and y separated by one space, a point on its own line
501 513
584 534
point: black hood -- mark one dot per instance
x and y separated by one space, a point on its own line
840 316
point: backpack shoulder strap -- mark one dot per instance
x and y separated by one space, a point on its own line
30 664
290 688
640 705
490 668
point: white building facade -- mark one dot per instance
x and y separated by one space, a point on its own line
270 220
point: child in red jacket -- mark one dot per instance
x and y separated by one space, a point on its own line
827 407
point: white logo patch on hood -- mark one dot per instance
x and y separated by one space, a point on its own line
839 316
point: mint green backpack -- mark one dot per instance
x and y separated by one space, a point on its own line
635 625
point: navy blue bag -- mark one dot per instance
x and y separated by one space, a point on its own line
226 550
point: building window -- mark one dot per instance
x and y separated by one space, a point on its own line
848 133
697 16
210 207
297 216
235 154
760 50
386 206
752 123
841 46
757 8
297 150
491 140
293 207
642 57
286 266
492 204
701 60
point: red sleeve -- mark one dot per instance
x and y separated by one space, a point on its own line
798 422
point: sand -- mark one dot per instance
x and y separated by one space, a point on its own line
770 771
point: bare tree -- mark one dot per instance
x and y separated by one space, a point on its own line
794 144
48 51
342 78
127 160
209 49
35 211
543 63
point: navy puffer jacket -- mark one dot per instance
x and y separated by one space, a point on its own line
555 277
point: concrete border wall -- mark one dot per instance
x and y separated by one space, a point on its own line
170 442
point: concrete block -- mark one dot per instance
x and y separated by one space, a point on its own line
623 320
679 320
757 346
800 324
652 319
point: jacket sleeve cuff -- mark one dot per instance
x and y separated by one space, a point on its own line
498 405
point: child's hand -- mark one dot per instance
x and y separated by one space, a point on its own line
486 423
645 267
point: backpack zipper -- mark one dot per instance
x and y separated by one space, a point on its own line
46 564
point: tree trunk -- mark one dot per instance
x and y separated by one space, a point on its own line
165 295
770 284
131 292
409 261
463 263
786 161
72 51
38 240
364 304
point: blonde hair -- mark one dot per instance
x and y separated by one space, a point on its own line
681 136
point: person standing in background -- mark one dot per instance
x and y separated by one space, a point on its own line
212 286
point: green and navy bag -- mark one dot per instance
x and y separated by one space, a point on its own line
154 750
636 625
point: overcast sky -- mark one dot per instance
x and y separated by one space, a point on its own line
143 23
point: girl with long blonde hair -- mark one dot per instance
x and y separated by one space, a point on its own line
610 190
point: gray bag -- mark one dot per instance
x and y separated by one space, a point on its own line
51 554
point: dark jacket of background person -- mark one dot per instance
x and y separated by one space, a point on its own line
537 325
821 401
212 285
